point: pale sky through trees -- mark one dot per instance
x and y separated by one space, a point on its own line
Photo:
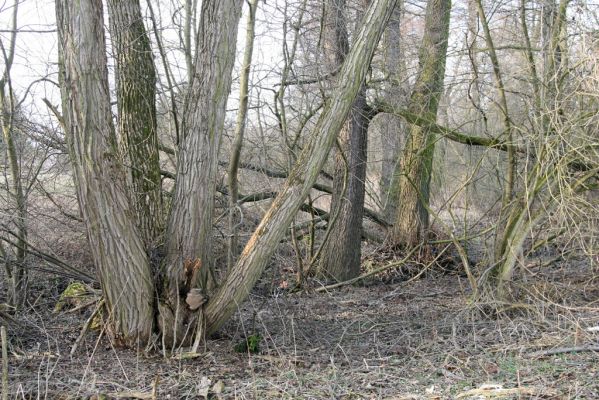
36 43
36 50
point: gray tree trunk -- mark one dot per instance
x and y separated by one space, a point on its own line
342 251
136 100
117 248
392 128
414 169
189 229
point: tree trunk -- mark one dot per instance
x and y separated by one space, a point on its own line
414 169
275 223
117 249
342 253
189 230
136 94
239 133
17 273
392 128
342 250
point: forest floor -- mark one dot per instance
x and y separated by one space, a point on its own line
388 339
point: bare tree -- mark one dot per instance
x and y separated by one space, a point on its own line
16 271
137 293
563 163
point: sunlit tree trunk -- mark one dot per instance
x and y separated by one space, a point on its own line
414 168
136 95
189 230
117 248
306 170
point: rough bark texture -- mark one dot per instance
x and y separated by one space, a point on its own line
392 129
414 168
136 93
189 228
275 223
342 251
117 250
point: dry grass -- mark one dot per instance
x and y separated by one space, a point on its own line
418 340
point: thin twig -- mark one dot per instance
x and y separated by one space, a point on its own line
563 350
4 363
81 306
86 327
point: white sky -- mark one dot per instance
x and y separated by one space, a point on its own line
36 48
35 54
36 51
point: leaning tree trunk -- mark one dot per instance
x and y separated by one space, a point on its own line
117 249
136 96
275 223
414 168
342 250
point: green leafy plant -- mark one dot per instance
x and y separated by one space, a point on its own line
250 344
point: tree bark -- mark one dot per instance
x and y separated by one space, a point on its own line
117 249
189 229
136 96
414 169
392 128
263 242
190 223
342 251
